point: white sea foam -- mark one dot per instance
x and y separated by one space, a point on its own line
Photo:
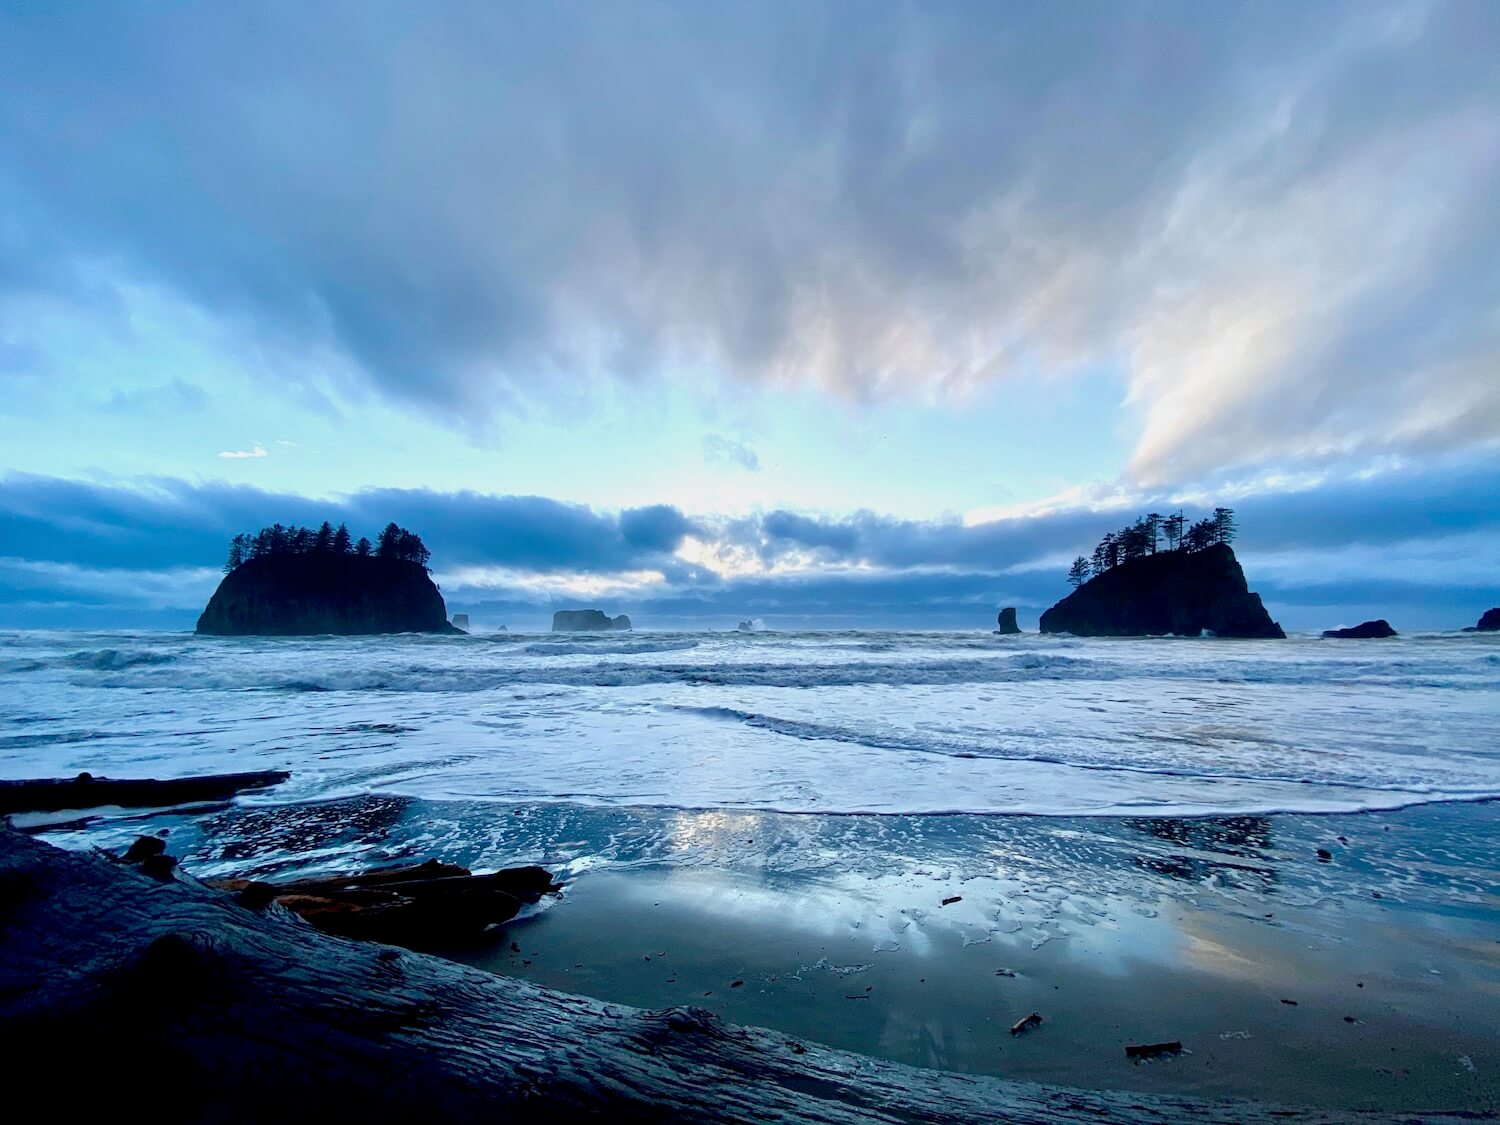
874 722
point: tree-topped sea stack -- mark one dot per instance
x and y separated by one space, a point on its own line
294 581
1133 587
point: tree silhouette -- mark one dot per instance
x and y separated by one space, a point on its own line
388 543
1141 538
395 543
1200 536
1153 530
1224 528
239 548
1172 528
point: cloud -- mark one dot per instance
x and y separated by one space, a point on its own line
1276 224
1427 541
257 450
720 450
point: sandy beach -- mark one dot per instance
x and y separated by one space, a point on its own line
1393 1003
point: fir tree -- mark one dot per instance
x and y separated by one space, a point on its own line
1224 529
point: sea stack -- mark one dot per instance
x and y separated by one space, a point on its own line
587 621
1365 631
1489 622
1007 621
1171 592
308 594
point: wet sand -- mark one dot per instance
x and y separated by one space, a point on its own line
1117 931
1392 1010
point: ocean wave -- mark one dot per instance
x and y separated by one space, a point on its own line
115 660
605 648
613 673
1015 751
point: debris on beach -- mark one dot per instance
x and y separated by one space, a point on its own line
951 900
1152 1050
1324 855
1005 972
1291 1003
87 791
1022 1026
415 905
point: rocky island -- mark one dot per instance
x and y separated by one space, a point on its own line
1489 622
587 621
1006 622
1365 631
300 582
1131 588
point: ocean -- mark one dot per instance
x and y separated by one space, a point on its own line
795 722
1140 839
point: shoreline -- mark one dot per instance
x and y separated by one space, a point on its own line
1118 931
1373 1022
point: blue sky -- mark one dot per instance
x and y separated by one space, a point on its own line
879 312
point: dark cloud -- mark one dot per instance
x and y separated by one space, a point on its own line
1347 542
1278 218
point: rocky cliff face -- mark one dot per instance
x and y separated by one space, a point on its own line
294 595
1489 622
1176 592
586 621
1006 623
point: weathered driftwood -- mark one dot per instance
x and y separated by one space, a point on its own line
87 791
170 1001
418 906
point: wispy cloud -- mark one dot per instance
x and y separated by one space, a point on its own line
720 450
257 450
1229 206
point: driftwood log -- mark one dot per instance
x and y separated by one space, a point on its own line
88 792
417 905
165 1000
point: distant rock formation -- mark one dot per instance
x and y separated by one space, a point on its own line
1177 592
1368 630
1007 621
461 621
1488 623
746 626
586 621
299 595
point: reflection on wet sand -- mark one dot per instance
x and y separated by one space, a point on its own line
924 938
1200 843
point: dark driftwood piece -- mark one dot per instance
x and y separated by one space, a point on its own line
87 791
167 1000
418 906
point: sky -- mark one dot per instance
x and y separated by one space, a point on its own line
868 314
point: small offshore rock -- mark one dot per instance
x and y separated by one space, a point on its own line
1365 631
